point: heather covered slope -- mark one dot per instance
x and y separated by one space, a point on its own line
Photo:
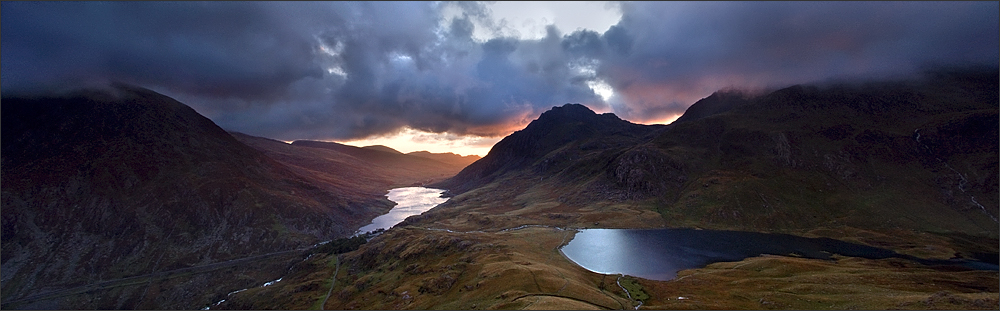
399 169
323 167
109 183
367 171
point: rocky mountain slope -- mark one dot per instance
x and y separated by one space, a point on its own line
103 184
917 154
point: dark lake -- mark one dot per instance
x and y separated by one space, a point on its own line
658 254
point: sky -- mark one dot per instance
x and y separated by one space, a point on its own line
459 76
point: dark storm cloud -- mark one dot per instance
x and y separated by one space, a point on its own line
307 70
678 52
200 48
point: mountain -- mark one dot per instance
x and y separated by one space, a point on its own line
371 169
350 177
104 184
553 144
916 154
449 157
382 148
399 169
716 103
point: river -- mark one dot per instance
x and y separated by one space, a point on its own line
409 201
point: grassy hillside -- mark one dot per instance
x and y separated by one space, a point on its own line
421 268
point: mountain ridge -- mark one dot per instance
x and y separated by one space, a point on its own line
845 142
398 163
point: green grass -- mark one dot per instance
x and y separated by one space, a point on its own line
278 226
633 288
318 305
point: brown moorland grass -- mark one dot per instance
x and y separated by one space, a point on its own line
421 268
779 282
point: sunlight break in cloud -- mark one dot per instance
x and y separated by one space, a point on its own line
410 140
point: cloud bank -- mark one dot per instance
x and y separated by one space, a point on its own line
349 70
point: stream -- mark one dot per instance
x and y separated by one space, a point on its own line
409 201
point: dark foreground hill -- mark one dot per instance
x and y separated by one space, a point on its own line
122 182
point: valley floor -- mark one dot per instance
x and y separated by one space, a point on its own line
429 268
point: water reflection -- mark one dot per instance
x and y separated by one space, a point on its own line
659 254
643 253
409 201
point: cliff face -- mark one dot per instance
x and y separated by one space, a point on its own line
104 184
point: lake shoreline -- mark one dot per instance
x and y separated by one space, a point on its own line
658 254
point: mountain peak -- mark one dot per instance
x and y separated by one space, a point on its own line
570 108
570 124
561 117
719 102
569 112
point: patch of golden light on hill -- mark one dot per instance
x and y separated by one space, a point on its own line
410 140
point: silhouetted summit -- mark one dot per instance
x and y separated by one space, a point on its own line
570 124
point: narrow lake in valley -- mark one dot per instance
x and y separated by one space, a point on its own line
409 201
658 254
